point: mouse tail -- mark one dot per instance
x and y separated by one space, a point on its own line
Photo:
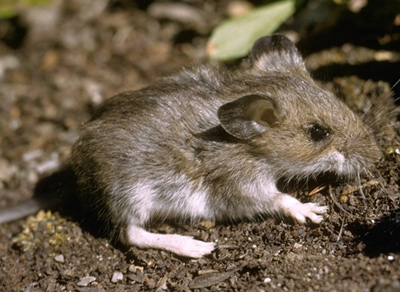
21 210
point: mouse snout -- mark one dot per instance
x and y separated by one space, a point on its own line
361 151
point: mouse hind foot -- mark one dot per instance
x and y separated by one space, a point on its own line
179 244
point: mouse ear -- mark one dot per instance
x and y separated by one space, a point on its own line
248 116
276 53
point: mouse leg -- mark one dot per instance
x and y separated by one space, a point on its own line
299 211
179 244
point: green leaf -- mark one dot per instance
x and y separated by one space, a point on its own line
233 38
7 12
10 8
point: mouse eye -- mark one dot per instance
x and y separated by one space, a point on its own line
318 133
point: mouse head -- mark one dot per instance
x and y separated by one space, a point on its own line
299 128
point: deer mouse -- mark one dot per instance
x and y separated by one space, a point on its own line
211 143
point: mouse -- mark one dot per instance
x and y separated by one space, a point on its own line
210 143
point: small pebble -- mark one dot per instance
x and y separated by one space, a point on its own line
267 280
297 245
116 277
134 269
85 281
59 258
48 165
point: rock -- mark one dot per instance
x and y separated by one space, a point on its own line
85 281
116 277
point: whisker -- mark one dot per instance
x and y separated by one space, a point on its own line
366 112
382 182
395 84
361 189
389 125
341 229
337 204
373 115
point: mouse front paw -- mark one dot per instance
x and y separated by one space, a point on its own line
301 211
311 211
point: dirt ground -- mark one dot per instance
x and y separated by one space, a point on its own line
59 63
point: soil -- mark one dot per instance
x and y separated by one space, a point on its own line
60 62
